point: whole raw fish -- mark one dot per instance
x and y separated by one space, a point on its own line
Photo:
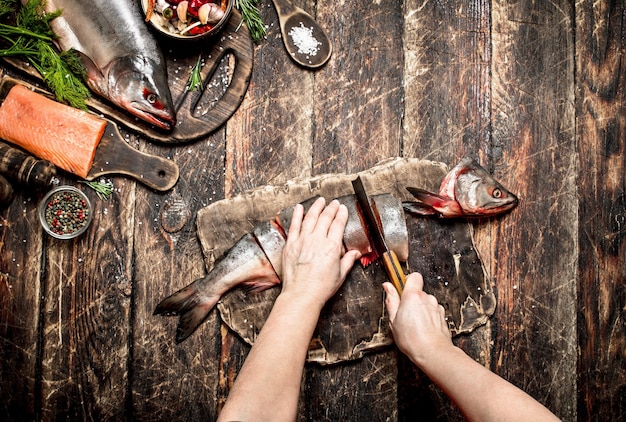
466 191
122 59
256 259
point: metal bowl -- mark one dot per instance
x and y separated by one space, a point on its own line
60 212
157 22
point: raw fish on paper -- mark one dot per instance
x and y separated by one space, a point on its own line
255 258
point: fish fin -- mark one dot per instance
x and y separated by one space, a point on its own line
192 308
440 205
260 284
92 69
425 196
418 208
426 202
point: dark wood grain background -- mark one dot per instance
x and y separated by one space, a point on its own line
535 90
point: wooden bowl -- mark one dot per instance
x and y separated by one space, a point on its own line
159 23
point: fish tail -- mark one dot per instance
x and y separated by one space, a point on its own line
191 307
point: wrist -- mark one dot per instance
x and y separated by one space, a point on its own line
433 354
302 305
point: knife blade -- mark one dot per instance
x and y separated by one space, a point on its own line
390 259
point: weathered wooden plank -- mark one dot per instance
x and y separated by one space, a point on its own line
446 79
86 303
447 116
20 294
269 137
363 391
169 381
357 120
359 112
268 141
536 246
601 79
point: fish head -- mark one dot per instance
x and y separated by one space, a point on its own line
139 85
478 193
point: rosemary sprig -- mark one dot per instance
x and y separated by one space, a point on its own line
32 38
252 18
194 83
103 188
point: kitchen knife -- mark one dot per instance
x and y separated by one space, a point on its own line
390 259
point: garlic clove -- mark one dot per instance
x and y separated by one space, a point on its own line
181 10
210 13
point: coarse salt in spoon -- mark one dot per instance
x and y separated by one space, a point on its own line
305 41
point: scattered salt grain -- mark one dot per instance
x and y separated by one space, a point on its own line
305 41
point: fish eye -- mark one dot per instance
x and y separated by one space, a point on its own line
151 98
497 193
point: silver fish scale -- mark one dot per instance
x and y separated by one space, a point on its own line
103 30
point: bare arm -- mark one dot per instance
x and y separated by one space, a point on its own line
268 385
421 332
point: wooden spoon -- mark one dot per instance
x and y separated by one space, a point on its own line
305 41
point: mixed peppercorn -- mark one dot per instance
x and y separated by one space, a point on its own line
66 212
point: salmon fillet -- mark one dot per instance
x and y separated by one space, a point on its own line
63 135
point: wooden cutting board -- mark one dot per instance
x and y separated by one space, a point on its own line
112 155
354 321
229 55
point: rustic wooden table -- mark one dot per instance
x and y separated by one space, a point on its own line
534 90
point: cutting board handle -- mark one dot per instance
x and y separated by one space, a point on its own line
115 156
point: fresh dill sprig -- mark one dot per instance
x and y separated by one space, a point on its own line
103 188
55 72
252 18
32 38
6 7
195 78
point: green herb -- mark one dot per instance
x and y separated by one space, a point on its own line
32 38
7 7
252 18
103 188
195 78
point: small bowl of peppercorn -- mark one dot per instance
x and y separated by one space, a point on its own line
187 20
65 212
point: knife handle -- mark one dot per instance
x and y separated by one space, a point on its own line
394 270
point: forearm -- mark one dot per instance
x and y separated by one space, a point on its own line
273 369
479 393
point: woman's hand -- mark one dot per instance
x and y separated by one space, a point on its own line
313 265
417 321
